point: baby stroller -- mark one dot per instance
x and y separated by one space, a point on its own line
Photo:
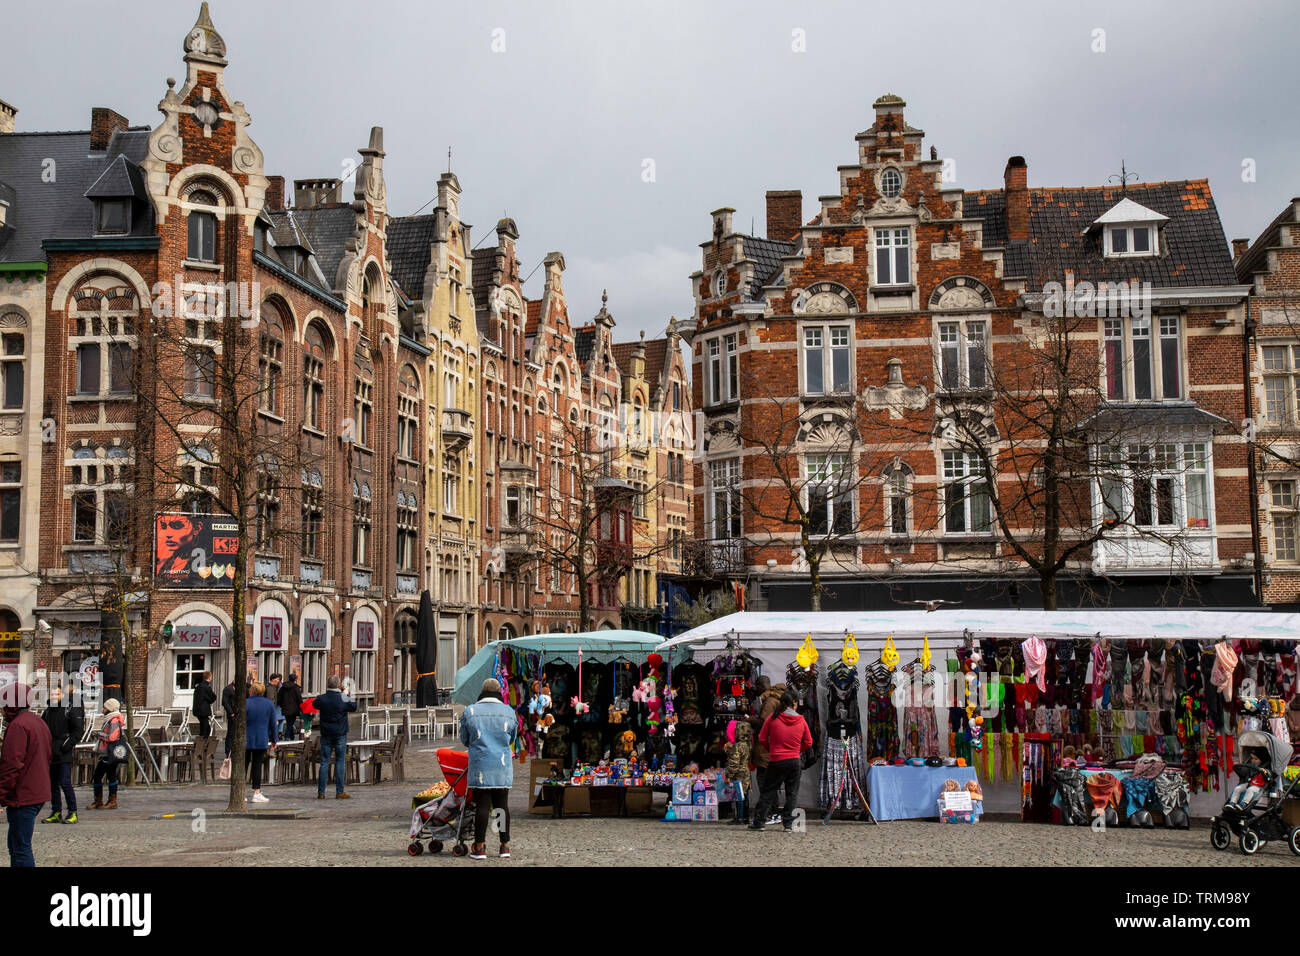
450 816
1254 811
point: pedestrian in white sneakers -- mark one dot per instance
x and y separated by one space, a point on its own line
260 736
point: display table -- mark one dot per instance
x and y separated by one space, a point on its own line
553 793
908 793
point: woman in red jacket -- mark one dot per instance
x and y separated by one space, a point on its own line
786 736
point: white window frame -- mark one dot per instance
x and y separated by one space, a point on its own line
1129 332
827 339
889 239
961 468
188 656
1286 374
1283 514
1185 467
898 488
722 378
724 487
830 474
961 334
1129 231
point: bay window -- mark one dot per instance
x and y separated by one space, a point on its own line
1164 485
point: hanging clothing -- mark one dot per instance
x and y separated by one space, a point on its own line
882 716
801 682
843 719
834 773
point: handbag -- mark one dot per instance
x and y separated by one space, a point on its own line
224 772
117 753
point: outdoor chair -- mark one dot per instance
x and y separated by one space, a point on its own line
445 717
421 724
181 766
393 754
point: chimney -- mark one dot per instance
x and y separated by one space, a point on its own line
316 192
1239 247
7 114
784 213
1016 183
103 124
274 192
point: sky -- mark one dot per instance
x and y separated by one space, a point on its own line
609 130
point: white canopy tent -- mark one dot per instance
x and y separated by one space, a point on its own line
781 633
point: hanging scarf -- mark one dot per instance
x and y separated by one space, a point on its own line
1035 652
1225 664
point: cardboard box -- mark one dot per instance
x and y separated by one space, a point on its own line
640 801
540 769
710 798
707 814
682 791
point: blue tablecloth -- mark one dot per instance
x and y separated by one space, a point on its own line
902 793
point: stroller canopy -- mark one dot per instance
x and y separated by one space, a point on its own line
1279 753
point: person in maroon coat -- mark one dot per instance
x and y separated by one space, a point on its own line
786 736
24 770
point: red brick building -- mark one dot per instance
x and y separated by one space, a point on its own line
889 328
1271 266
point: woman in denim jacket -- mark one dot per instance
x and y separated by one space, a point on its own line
489 729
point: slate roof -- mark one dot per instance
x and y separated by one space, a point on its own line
121 180
484 262
60 210
767 254
1194 250
287 233
409 239
1255 259
1163 415
584 341
328 227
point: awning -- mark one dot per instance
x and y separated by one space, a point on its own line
598 647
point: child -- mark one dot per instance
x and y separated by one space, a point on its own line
740 739
1246 792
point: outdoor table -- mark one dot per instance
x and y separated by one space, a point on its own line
908 793
555 790
363 746
165 748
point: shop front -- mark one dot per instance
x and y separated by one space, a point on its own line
365 652
200 642
315 637
270 640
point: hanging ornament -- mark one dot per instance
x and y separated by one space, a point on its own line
850 652
807 655
925 653
578 706
889 656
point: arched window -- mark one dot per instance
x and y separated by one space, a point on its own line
313 379
270 367
13 355
202 228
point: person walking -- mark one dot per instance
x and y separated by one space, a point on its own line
290 704
65 725
767 703
488 727
110 732
786 736
259 737
272 694
333 707
204 698
229 700
24 770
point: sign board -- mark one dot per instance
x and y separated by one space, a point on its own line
271 635
189 637
195 552
295 666
313 634
89 671
252 669
365 635
11 642
958 801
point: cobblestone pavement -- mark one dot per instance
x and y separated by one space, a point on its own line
371 830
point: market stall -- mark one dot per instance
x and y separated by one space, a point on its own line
1014 696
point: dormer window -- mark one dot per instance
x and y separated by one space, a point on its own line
1129 240
1130 229
112 217
259 238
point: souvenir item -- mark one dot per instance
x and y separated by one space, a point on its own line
925 653
850 652
807 655
888 656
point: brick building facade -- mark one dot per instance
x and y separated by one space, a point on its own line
887 329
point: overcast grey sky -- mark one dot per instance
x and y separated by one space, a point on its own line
555 129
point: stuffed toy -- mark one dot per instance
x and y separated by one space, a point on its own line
625 744
654 702
616 716
641 693
539 707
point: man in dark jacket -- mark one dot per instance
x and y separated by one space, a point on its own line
204 698
333 708
65 725
290 703
24 770
228 703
